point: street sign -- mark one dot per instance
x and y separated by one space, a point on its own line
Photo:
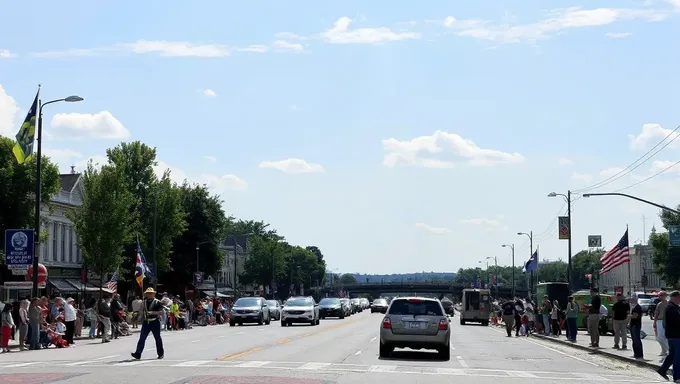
674 235
564 227
594 241
19 247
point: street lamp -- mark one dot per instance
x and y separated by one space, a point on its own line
634 198
38 185
495 260
512 247
567 197
530 235
487 271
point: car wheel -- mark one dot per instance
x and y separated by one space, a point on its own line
269 320
445 353
260 321
462 322
485 323
342 316
283 323
232 323
384 351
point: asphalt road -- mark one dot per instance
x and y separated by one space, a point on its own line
337 351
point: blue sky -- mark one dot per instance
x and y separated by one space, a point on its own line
508 102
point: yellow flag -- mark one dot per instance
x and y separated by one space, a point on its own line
23 149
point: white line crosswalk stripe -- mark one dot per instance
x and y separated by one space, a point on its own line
323 367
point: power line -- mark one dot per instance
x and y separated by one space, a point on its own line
649 178
634 165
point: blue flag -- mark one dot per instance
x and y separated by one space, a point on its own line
532 263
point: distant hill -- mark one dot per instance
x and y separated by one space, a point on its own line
433 277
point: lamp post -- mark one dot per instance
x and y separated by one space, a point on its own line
530 235
567 197
634 198
512 247
487 271
495 260
38 186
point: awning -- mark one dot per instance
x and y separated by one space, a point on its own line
83 287
62 285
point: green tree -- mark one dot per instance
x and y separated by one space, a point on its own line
17 189
666 259
252 228
206 225
552 271
303 267
468 276
150 195
347 279
320 272
102 222
586 262
266 261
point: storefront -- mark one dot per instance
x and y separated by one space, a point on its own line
68 282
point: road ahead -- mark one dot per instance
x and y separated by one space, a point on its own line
337 351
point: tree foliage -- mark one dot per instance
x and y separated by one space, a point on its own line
252 228
17 188
347 279
586 262
103 221
666 259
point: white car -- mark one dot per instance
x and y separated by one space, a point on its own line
300 310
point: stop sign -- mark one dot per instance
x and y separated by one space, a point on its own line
42 274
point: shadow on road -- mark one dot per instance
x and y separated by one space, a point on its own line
410 355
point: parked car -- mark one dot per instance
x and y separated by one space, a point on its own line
274 309
347 306
250 310
365 304
331 307
379 305
356 305
415 323
300 310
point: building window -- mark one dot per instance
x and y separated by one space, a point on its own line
63 243
54 241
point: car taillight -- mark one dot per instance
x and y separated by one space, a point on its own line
414 300
443 325
387 324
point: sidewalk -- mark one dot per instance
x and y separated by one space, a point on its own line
650 347
14 344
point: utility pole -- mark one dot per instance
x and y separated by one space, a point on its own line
530 235
569 277
153 242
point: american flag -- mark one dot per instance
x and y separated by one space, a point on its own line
113 283
616 256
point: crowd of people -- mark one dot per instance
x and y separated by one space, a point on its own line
40 323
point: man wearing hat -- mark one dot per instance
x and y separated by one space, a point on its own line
151 309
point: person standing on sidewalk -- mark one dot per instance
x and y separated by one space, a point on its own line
70 320
621 311
572 316
23 324
7 323
672 334
34 317
151 324
659 330
636 328
594 318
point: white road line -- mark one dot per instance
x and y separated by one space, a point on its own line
525 374
314 366
462 362
19 365
192 363
451 371
221 337
80 363
132 363
357 353
196 341
105 357
382 368
252 364
373 339
240 333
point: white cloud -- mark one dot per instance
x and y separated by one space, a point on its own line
652 134
224 183
257 48
409 152
581 177
610 172
293 165
100 125
177 48
9 111
290 36
618 35
564 161
435 230
211 159
287 46
6 54
341 34
482 221
665 166
66 158
209 92
556 21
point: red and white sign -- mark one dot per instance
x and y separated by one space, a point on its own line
42 274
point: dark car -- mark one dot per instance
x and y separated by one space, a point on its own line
331 307
379 305
448 307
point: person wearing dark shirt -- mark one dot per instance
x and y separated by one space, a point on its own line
104 315
152 308
508 312
621 311
594 318
636 328
672 333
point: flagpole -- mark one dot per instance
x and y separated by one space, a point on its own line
38 193
630 287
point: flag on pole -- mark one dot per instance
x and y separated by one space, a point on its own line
532 263
147 270
616 256
113 282
140 267
23 149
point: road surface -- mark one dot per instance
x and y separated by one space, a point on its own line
336 351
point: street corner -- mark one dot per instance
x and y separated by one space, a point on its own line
36 378
217 379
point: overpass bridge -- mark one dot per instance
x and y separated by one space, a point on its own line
414 288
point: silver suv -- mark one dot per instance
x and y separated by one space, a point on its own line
300 310
249 310
416 323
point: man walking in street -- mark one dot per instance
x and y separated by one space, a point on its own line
104 315
621 311
659 316
152 309
672 333
508 312
594 318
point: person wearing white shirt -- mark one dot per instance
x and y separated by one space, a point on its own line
69 320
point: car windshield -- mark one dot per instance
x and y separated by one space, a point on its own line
271 303
299 303
415 307
329 301
380 301
247 302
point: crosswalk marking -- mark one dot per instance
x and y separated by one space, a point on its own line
252 364
19 365
80 363
132 363
314 366
195 363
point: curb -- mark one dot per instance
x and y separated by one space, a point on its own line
132 331
639 363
